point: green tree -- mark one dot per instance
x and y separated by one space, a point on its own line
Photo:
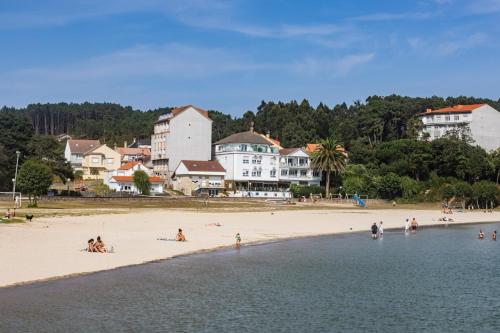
463 192
49 150
329 157
389 186
34 179
447 191
484 192
102 189
141 182
495 163
410 188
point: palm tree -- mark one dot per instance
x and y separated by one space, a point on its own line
329 157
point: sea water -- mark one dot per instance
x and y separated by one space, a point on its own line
437 280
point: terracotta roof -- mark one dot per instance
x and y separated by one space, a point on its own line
177 111
133 151
128 165
130 179
247 137
454 109
203 166
288 151
311 147
82 146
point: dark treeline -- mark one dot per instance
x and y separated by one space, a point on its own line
379 134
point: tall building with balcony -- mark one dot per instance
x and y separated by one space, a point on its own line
295 168
251 161
183 134
481 120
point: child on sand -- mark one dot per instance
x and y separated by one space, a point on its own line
238 240
180 236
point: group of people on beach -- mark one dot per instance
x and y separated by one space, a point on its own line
482 236
378 230
96 246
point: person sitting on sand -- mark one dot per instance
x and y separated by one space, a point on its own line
8 214
481 234
494 235
238 240
90 245
99 245
180 236
374 230
414 225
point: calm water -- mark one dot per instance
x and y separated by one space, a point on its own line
439 280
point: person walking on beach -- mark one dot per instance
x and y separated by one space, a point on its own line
381 230
414 225
238 240
374 230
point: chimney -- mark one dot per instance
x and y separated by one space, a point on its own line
251 126
428 110
115 146
134 140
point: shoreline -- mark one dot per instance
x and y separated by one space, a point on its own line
264 231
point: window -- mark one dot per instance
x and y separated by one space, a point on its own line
246 160
95 159
284 172
254 159
259 159
243 147
273 160
465 116
273 173
303 173
110 160
245 173
456 117
315 173
256 173
447 118
293 173
438 118
302 161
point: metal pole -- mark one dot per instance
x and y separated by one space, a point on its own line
15 176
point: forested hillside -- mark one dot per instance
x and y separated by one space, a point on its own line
378 133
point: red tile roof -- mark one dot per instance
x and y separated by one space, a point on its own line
311 147
128 165
203 166
82 146
454 109
133 151
130 179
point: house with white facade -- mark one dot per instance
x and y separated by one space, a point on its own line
481 120
183 134
122 179
199 178
295 168
75 149
251 161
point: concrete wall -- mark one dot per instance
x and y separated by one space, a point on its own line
190 138
485 127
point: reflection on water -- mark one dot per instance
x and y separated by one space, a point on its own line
442 280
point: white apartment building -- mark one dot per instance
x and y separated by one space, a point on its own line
482 120
295 168
183 134
251 161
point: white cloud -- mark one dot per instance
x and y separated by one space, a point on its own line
394 16
332 67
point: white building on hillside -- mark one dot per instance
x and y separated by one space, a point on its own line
199 177
251 161
295 168
482 120
122 179
183 134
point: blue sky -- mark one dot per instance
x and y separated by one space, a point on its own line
230 55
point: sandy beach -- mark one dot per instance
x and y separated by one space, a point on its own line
52 247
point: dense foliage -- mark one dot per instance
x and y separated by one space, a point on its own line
385 159
35 178
141 182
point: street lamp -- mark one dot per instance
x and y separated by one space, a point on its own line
67 182
15 176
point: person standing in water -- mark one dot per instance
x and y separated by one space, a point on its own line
481 234
238 240
414 225
407 226
374 230
494 235
381 230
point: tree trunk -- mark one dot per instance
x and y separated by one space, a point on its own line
327 189
498 175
